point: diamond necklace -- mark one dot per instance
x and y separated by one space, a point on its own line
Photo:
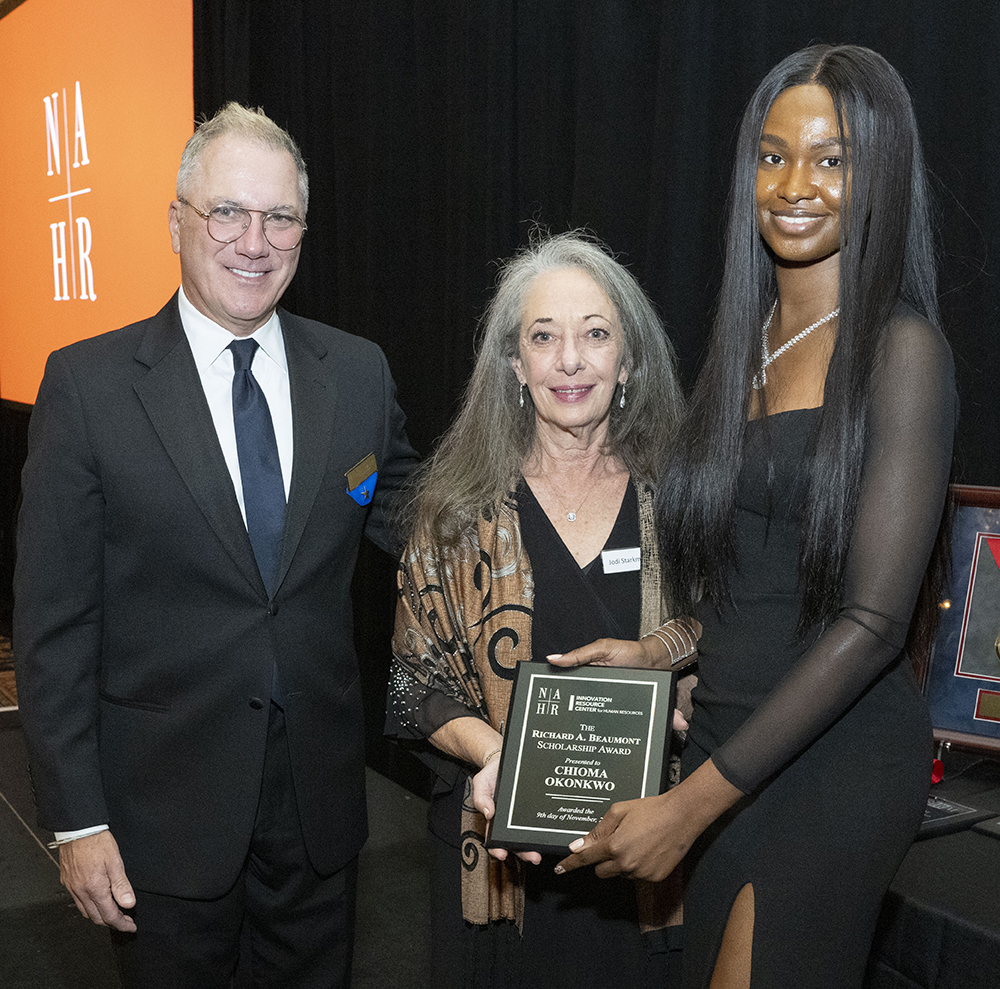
769 358
571 515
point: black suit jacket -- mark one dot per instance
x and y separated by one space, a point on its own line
144 636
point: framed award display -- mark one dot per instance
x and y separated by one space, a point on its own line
962 682
578 740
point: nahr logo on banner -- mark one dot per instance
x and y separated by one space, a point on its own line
73 277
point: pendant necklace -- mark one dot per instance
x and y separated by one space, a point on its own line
571 515
768 358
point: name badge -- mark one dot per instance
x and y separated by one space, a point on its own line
621 560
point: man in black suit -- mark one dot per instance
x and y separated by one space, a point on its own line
193 505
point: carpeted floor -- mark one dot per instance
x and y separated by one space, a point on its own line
45 944
8 689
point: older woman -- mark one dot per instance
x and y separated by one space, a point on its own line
805 502
567 417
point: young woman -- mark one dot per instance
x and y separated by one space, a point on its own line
803 506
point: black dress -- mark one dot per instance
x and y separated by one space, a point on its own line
580 932
828 735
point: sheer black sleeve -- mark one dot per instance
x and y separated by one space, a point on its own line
907 465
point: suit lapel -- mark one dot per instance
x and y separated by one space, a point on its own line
173 397
314 416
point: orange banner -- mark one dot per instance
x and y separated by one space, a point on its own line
97 104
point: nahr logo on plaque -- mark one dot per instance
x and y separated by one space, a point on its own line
548 700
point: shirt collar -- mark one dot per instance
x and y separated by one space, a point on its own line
209 340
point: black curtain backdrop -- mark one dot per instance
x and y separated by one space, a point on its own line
437 132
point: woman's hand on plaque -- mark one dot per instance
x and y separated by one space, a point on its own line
484 785
610 652
644 654
647 838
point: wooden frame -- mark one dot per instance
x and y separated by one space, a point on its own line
962 680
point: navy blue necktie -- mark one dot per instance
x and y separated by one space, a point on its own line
260 469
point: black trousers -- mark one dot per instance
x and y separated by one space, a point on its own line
281 926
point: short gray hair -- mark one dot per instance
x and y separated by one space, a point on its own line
252 125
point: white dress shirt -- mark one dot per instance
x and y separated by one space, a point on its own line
209 344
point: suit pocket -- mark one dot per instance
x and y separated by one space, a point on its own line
134 704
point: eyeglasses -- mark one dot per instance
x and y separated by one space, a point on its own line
283 231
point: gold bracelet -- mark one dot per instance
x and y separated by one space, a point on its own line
490 756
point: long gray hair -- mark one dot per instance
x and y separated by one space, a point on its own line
480 457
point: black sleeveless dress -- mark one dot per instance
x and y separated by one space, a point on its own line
827 735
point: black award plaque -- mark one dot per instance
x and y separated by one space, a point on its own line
577 741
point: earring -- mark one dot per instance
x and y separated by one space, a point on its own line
520 396
621 401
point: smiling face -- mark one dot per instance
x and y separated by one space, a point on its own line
570 350
239 284
800 177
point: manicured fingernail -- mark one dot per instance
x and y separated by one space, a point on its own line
554 655
575 846
559 870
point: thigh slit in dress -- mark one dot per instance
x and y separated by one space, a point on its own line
821 838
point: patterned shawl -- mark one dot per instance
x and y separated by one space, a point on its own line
463 621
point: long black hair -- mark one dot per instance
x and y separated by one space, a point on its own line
886 255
